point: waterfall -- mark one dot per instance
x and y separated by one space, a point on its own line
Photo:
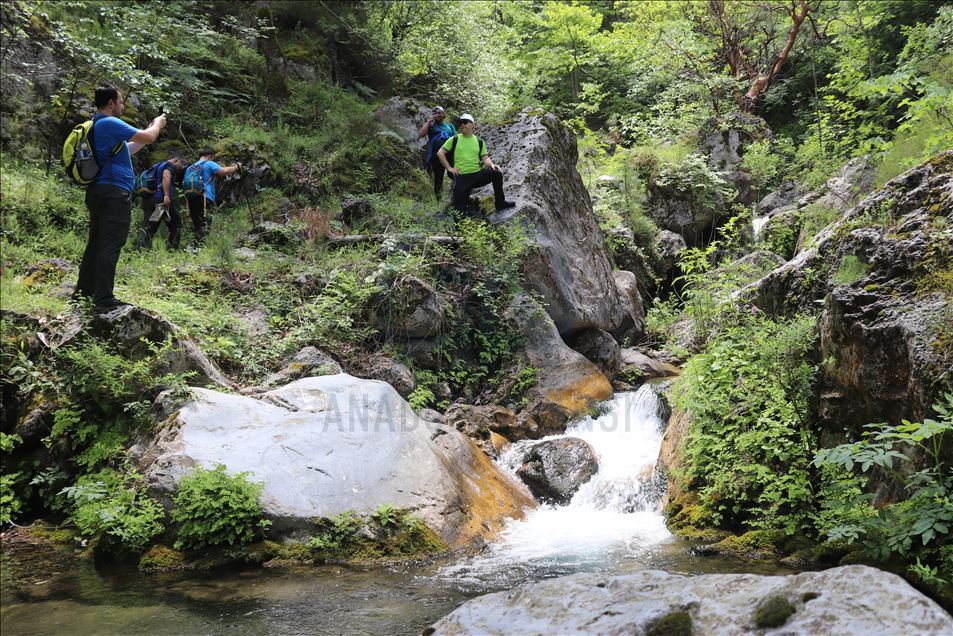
757 224
614 516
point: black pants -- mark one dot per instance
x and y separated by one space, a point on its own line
200 209
110 214
149 229
438 171
464 184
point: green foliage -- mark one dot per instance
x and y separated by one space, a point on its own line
214 508
748 449
113 508
762 164
850 270
916 528
694 180
385 534
386 516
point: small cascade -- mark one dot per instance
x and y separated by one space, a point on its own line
613 517
757 224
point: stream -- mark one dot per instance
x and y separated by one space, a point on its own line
612 524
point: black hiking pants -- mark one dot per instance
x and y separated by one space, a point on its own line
149 228
200 209
110 214
464 184
438 171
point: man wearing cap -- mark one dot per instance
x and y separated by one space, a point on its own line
469 152
437 131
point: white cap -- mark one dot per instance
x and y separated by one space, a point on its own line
466 116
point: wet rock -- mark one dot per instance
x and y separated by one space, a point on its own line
325 445
632 327
133 330
555 469
568 262
853 599
635 364
479 422
876 276
599 348
567 383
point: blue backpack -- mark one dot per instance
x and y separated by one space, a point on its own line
193 180
147 181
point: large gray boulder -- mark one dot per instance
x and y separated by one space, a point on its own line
724 140
325 445
568 263
555 469
848 600
877 273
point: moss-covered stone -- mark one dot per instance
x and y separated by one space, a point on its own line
160 558
773 612
677 623
757 544
353 539
809 596
51 534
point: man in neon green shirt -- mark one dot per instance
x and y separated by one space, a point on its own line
469 152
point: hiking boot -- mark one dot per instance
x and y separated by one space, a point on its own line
504 205
110 305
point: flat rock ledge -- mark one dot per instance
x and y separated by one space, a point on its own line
325 445
853 599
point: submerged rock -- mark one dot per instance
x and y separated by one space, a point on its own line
847 600
325 445
555 469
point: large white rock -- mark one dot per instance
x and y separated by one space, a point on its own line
324 445
854 599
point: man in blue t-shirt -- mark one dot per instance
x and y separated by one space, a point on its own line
201 204
437 130
109 199
161 205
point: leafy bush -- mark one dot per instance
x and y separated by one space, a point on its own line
917 528
113 508
749 445
214 508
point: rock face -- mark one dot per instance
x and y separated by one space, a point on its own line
878 272
388 370
308 361
334 443
569 264
599 348
568 384
480 422
132 329
668 245
403 117
724 143
555 469
411 309
635 363
848 600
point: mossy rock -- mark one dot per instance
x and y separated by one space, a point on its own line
773 612
160 558
51 534
756 544
678 623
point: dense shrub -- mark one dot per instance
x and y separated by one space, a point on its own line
214 508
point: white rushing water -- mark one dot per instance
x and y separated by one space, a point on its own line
613 517
757 224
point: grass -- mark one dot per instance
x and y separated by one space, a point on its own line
850 270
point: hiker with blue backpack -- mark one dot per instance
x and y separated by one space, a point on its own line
98 154
465 157
199 187
438 131
156 187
